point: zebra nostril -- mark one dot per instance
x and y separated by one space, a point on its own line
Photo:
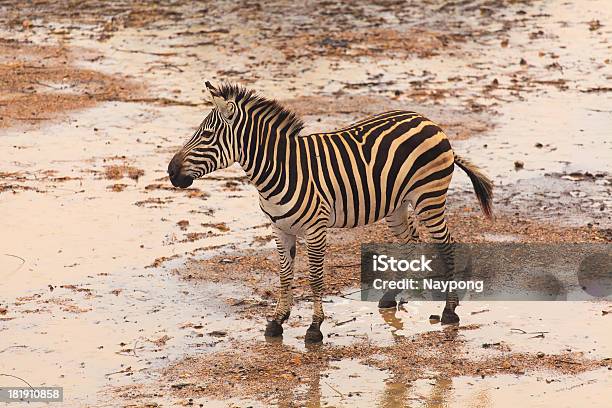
173 168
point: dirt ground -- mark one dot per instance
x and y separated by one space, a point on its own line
128 292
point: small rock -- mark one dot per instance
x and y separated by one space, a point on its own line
539 145
179 386
519 164
594 25
523 61
540 354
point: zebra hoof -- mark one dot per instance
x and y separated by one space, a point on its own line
313 334
449 317
273 329
387 303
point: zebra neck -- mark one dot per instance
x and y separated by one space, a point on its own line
269 157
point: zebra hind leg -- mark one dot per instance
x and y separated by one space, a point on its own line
285 244
403 225
433 216
316 240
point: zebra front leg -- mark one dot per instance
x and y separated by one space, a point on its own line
286 249
316 241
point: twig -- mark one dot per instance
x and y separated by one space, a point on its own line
159 54
19 378
339 393
345 322
347 265
18 118
47 85
125 370
351 293
23 261
539 334
10 347
569 362
167 65
161 101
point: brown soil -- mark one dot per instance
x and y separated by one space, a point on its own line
372 42
117 172
106 17
39 82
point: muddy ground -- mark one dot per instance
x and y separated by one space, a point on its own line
128 292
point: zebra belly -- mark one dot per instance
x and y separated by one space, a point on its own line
295 216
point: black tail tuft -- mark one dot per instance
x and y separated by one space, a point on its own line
483 186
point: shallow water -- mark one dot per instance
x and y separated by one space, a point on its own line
565 155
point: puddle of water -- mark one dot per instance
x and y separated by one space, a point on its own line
576 139
531 327
120 331
550 140
351 383
541 390
80 227
79 232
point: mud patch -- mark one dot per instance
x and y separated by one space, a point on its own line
39 82
373 42
104 17
276 372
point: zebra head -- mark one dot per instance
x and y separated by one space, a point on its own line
210 148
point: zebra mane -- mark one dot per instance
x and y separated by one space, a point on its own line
248 97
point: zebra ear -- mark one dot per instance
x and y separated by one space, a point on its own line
213 91
227 108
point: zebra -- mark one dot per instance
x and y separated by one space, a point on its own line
395 165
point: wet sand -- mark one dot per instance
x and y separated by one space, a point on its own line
128 292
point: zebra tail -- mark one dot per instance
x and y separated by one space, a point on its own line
483 186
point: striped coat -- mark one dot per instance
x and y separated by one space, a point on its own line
396 165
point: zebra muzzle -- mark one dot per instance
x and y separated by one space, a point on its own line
175 172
